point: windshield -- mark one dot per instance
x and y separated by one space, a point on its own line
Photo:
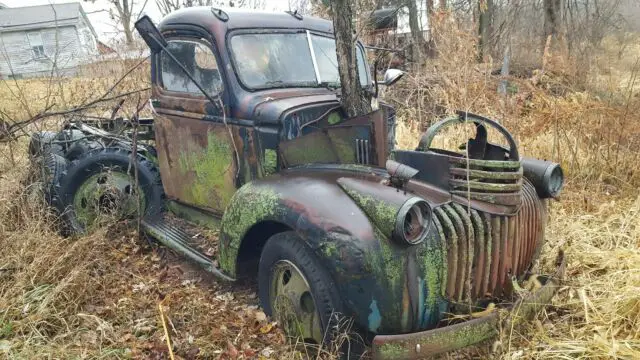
287 60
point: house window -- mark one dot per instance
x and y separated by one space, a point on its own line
37 46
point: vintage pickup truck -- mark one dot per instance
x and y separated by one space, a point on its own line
424 250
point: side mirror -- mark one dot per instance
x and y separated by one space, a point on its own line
391 76
150 34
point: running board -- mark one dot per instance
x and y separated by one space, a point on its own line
180 241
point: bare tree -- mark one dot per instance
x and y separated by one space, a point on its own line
485 26
417 37
167 6
123 14
354 99
303 7
552 18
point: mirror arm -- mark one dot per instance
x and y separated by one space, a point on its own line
184 69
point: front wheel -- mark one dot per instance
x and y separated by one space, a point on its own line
297 291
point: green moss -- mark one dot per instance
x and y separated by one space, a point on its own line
270 163
382 213
334 118
329 249
250 205
433 268
213 171
393 351
312 148
345 149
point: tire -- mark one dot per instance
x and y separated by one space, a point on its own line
42 142
54 168
94 163
287 246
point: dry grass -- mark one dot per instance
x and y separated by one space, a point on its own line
97 297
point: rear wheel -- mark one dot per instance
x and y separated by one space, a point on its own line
297 291
101 184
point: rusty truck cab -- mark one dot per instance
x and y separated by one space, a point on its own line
264 70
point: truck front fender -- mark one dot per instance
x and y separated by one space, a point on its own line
385 286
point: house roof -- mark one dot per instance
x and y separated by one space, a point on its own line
42 16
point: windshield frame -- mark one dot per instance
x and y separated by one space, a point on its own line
306 32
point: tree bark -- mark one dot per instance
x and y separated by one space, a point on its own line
418 42
552 17
485 28
124 15
429 7
354 98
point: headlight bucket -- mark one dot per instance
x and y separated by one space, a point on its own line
412 222
546 176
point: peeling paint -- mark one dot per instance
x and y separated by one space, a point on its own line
212 168
375 319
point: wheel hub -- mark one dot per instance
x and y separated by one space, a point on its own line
109 193
292 303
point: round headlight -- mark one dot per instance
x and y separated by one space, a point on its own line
554 180
413 221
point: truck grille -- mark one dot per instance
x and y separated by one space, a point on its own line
496 182
484 250
362 151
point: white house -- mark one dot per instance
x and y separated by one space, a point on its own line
36 39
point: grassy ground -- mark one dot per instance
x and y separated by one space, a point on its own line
98 296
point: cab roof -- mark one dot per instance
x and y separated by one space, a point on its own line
210 18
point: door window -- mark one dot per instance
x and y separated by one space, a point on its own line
198 59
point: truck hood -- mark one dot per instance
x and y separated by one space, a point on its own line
271 106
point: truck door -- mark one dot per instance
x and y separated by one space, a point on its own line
196 149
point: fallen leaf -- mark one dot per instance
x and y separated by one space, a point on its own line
267 352
231 350
261 316
267 328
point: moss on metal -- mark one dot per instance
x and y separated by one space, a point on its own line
270 162
250 205
393 351
382 213
88 199
500 164
486 186
434 275
213 170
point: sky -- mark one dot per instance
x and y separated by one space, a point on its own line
98 14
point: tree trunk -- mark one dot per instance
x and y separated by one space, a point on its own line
417 38
443 4
124 15
552 16
355 100
485 21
